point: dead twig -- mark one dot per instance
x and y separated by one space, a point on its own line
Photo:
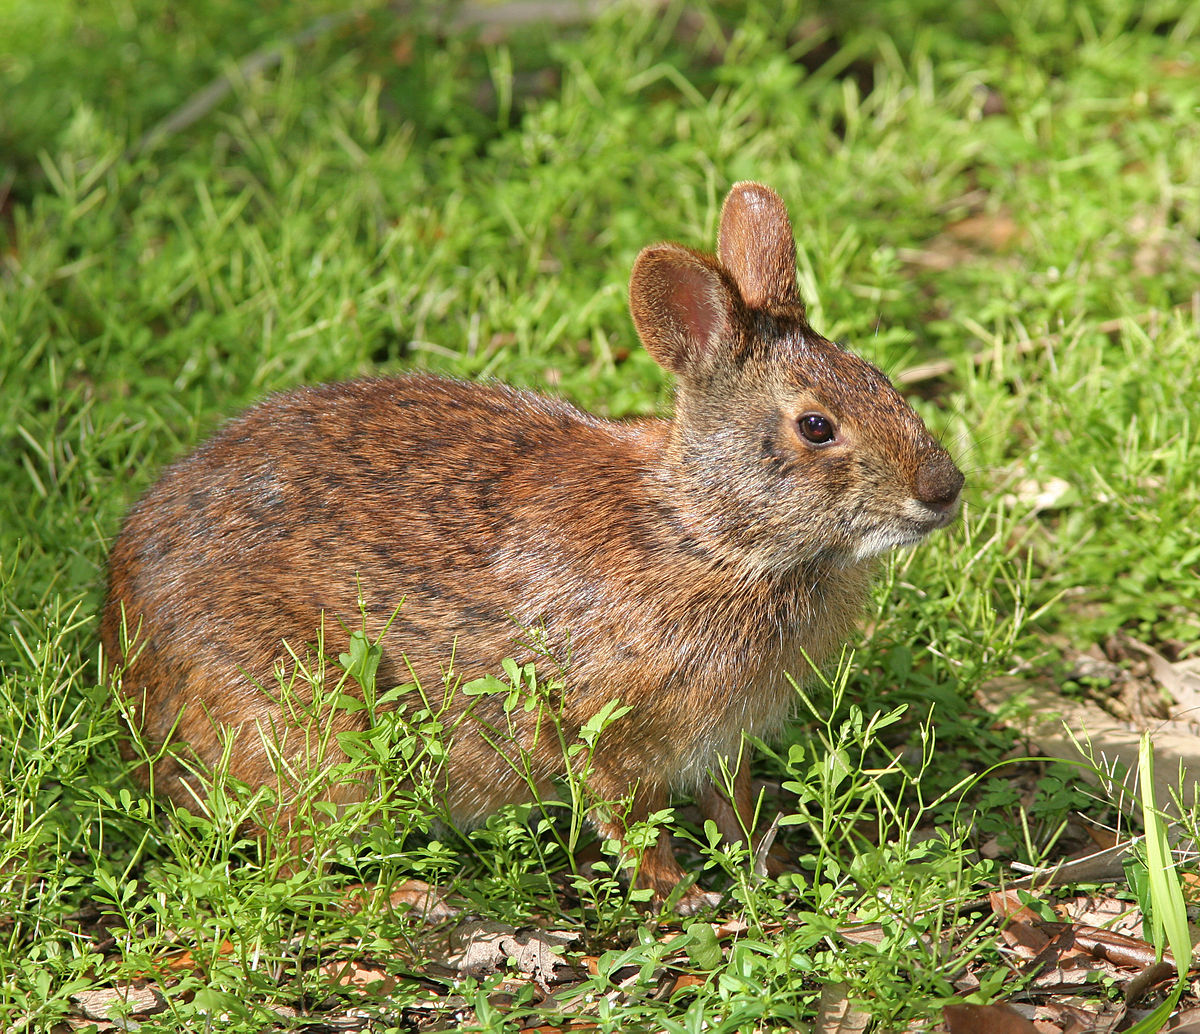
202 102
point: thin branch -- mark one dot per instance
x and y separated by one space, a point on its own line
202 102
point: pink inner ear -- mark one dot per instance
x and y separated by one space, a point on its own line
691 299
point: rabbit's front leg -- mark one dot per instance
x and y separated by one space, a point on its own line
658 869
735 817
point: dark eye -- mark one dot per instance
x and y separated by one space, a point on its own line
816 428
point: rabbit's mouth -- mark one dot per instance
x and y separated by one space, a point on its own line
936 517
909 528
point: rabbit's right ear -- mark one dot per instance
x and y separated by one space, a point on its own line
683 305
756 245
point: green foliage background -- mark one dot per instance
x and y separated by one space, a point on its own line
1010 187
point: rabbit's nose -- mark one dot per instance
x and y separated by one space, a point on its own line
938 482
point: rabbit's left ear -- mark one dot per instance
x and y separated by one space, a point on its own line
756 247
686 309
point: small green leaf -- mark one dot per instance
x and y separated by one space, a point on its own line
362 662
488 684
702 948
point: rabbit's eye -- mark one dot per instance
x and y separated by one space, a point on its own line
815 428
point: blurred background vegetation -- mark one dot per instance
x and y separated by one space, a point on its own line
1004 195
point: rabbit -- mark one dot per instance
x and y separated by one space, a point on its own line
684 567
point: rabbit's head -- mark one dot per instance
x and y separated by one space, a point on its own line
786 448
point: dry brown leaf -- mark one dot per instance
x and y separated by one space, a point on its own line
486 948
1180 679
862 933
688 980
178 960
1058 727
1186 1022
1077 974
1025 938
1072 1018
1021 928
1100 836
1149 977
993 230
1117 948
735 926
986 1019
1007 904
103 1003
352 973
1191 887
416 896
1108 912
836 1014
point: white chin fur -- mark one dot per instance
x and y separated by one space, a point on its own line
913 525
879 542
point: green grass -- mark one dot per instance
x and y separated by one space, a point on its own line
1014 188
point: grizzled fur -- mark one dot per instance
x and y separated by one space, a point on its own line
681 566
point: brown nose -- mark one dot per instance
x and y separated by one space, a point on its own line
939 481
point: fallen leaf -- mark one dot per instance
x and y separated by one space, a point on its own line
1101 836
1076 975
104 1003
1180 679
994 230
487 948
1021 929
1075 730
1026 937
1007 904
415 896
1153 974
351 973
734 926
1191 887
688 980
1082 1019
185 959
1118 948
836 1015
986 1019
1101 911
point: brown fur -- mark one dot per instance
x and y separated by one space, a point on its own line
681 566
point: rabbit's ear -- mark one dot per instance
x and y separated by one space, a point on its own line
756 246
682 303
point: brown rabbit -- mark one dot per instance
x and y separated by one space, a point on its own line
681 566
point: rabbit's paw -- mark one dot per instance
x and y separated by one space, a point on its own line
696 900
